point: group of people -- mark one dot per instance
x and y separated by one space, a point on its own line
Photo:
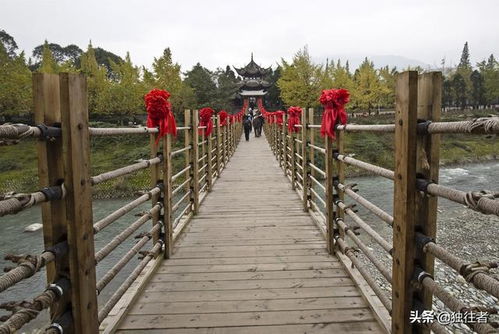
253 120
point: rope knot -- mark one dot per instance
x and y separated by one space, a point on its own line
474 199
32 262
469 271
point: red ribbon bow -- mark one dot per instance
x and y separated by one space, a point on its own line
223 117
205 115
294 114
159 112
334 101
277 116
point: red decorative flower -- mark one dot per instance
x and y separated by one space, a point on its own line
294 114
205 115
223 117
159 113
334 101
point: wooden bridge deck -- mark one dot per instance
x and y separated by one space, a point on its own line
251 261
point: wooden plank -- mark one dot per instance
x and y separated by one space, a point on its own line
289 252
247 318
238 275
50 171
428 161
249 305
404 199
370 327
76 145
253 260
248 267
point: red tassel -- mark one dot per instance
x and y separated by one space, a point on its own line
294 114
159 113
205 115
223 117
334 101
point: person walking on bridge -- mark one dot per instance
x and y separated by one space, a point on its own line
247 126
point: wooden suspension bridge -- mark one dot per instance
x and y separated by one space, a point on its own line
241 242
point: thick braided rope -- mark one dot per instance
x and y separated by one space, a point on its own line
17 131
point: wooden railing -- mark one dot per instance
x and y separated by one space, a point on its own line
416 130
64 166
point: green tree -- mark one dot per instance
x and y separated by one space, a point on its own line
227 88
48 63
8 43
387 86
489 69
300 81
15 84
273 98
200 80
366 94
464 69
447 93
459 90
477 89
98 85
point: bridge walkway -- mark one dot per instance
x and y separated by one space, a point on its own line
251 261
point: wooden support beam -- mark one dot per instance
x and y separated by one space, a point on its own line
167 196
46 104
284 144
305 137
329 185
209 169
78 201
219 147
155 179
187 141
293 161
312 139
427 166
195 162
340 175
404 200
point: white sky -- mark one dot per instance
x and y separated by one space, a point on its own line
220 32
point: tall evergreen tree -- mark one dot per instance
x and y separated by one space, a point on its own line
200 80
367 87
478 89
98 84
489 69
459 90
227 87
48 63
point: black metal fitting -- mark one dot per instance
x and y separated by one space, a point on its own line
336 154
63 323
422 240
419 275
422 184
336 199
160 156
49 132
423 126
59 249
336 181
60 286
52 193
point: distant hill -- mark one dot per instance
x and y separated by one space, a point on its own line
400 62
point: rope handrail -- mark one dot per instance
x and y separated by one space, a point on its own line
475 273
181 186
128 282
176 176
366 166
202 168
317 210
203 157
111 273
181 214
12 203
453 303
317 196
317 169
187 148
318 148
483 125
314 126
369 254
21 131
183 198
317 183
350 253
486 202
298 156
125 170
24 312
365 203
121 131
117 240
368 229
101 224
202 142
366 128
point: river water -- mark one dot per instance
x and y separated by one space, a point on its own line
377 189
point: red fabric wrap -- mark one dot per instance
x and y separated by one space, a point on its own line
159 112
294 114
277 116
223 117
205 115
334 101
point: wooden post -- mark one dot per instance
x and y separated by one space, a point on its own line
340 176
305 141
312 140
285 146
209 168
78 201
195 163
329 184
293 161
167 195
187 141
427 166
404 200
155 179
219 147
50 171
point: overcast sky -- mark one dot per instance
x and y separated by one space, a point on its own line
216 33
